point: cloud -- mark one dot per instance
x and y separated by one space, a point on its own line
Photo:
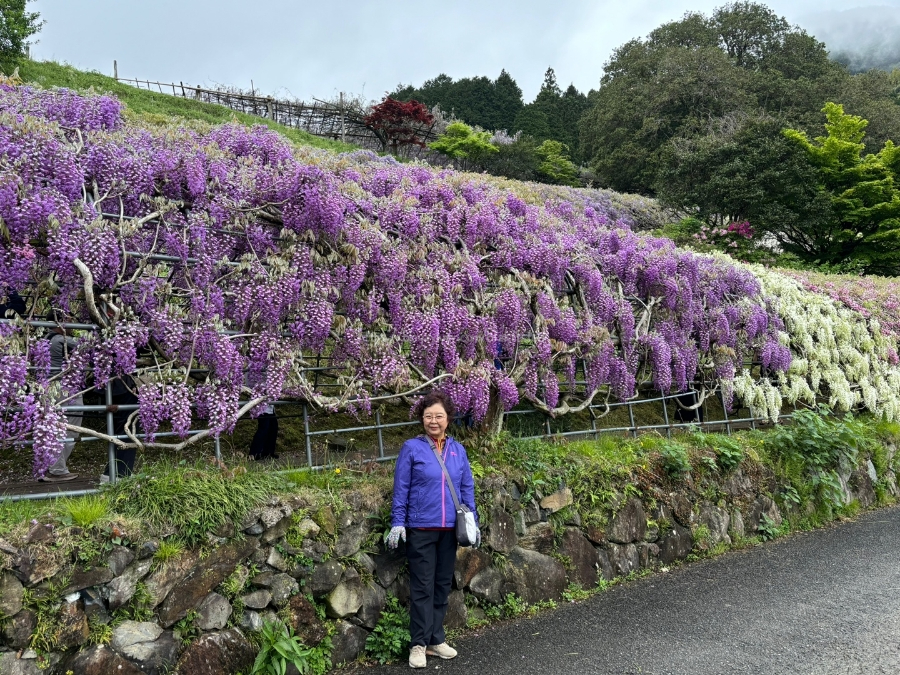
316 49
862 37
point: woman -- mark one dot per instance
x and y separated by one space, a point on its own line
423 515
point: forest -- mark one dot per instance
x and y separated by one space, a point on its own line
731 117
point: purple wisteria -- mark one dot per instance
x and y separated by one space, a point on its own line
222 272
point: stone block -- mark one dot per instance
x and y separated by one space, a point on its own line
308 528
250 620
539 537
352 533
71 625
557 501
213 613
120 558
161 581
276 532
374 598
583 556
122 588
629 525
16 631
257 599
717 521
349 642
469 562
763 506
596 535
624 558
531 513
345 599
606 567
303 619
501 533
216 654
457 612
736 525
203 578
130 633
675 543
388 566
277 561
682 509
98 660
325 576
282 587
11 594
487 585
533 576
88 578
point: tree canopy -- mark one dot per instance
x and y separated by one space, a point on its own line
743 59
16 26
478 101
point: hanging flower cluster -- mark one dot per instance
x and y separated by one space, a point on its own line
224 269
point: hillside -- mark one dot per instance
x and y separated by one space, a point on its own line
149 104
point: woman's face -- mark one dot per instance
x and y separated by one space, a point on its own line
435 420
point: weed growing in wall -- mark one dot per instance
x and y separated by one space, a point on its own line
390 638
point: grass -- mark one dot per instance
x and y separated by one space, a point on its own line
147 103
87 511
191 500
169 549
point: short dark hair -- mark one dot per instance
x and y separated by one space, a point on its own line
433 398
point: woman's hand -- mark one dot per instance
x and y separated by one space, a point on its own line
397 533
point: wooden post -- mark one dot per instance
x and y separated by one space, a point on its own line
343 137
115 69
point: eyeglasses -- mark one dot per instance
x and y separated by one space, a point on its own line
434 418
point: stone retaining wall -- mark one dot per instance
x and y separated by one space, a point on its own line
533 548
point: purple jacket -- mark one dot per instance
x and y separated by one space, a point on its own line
421 495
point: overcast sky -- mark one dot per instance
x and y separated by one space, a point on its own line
307 49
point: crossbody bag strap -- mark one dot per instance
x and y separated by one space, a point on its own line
446 473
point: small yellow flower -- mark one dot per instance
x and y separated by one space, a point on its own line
337 470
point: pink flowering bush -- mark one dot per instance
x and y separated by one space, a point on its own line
220 268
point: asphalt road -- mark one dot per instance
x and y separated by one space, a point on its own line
816 603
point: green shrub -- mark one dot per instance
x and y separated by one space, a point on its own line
675 460
390 638
815 446
279 648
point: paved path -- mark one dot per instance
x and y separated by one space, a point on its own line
816 603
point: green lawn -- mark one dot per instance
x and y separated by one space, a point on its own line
143 102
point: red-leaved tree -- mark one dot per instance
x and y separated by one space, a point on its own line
397 123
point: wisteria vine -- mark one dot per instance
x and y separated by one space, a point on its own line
222 271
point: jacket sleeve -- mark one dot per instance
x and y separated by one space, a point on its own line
402 480
467 485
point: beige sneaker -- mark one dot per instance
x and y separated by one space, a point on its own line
442 650
417 657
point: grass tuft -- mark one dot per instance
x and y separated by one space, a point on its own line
87 511
191 500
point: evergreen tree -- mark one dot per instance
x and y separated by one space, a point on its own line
507 102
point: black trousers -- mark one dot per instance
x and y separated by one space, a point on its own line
432 557
263 443
124 457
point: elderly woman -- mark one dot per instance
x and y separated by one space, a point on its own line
424 516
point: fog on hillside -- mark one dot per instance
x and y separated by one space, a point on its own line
863 38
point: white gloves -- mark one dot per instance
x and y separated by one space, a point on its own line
397 533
